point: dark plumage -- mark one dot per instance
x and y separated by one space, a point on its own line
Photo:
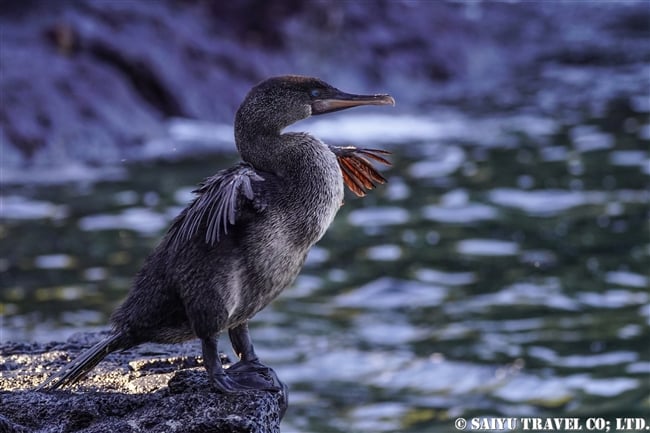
245 236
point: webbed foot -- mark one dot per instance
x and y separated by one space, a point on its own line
224 384
254 374
250 372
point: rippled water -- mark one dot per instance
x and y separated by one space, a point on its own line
502 271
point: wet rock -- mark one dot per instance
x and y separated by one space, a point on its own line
154 388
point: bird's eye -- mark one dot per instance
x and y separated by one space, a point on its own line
315 93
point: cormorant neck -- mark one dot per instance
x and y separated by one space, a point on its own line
258 132
257 142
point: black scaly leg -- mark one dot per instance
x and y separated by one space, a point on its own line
249 371
243 345
216 374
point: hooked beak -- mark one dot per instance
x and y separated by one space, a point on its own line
341 101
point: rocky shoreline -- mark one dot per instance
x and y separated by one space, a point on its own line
153 388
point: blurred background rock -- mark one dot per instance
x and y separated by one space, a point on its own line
95 81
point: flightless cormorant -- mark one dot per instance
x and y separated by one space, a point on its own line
245 236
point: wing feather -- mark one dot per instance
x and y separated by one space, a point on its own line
216 206
359 175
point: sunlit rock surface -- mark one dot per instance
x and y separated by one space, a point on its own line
152 388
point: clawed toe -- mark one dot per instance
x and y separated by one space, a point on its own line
246 380
251 375
248 367
255 375
226 385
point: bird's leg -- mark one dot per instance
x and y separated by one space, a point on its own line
249 371
216 374
243 345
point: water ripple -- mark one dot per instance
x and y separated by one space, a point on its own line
466 214
143 220
22 208
487 247
545 202
378 216
387 293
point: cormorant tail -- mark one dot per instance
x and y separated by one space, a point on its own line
85 362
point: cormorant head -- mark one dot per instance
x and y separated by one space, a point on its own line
278 102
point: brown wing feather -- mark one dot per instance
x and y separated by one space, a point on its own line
352 177
369 172
359 175
372 153
350 182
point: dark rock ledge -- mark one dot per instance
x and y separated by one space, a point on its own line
152 388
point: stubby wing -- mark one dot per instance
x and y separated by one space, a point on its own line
216 207
359 175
